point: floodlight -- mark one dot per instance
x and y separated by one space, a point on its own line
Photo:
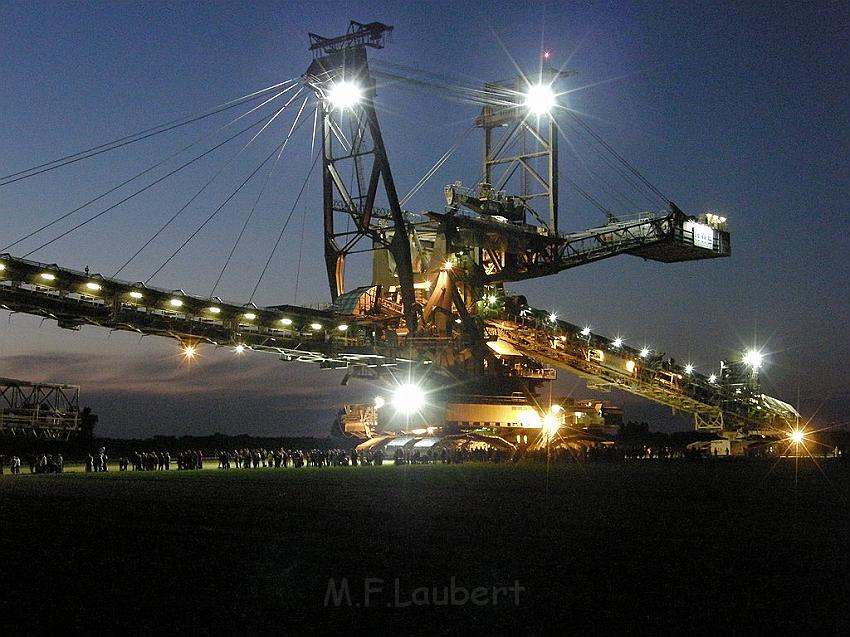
342 327
689 368
214 310
344 94
553 317
94 287
618 342
447 265
408 398
644 352
539 99
189 351
556 409
550 425
585 331
239 348
797 436
753 358
2 266
47 276
135 295
250 316
286 321
315 326
630 366
175 303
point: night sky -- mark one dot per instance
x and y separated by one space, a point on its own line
735 107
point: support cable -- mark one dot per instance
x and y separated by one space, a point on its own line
300 252
141 174
611 150
257 200
135 137
215 212
203 188
614 192
433 170
614 166
285 224
587 195
143 189
617 168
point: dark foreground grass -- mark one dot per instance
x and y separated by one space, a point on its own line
637 548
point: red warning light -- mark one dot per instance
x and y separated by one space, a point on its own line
547 55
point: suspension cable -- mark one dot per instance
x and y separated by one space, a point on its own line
300 252
283 229
611 150
257 200
613 191
143 189
439 164
203 188
618 169
144 172
215 212
135 137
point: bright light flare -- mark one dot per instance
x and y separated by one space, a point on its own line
618 342
344 94
551 424
630 366
189 352
379 402
712 379
492 299
689 369
753 358
408 398
447 265
586 331
239 349
644 352
540 99
553 317
797 436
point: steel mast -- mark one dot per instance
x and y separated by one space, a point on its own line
340 63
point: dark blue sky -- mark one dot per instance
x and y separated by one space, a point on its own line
735 107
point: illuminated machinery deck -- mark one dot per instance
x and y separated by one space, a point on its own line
716 403
515 252
75 298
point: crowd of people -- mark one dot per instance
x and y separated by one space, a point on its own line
39 463
375 456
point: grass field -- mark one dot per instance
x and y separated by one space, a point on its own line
667 548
